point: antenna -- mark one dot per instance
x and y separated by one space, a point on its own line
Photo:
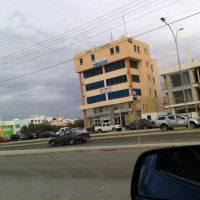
111 37
124 23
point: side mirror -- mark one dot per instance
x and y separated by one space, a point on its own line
169 173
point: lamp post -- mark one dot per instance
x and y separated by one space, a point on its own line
181 74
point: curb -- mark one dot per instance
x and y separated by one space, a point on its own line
92 149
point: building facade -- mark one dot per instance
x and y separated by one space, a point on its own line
173 86
7 128
118 82
37 119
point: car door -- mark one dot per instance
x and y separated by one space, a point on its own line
61 138
68 135
133 125
181 121
171 120
140 123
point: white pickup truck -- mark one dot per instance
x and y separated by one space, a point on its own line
107 127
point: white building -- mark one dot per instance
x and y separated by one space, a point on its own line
37 119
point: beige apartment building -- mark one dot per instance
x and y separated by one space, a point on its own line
118 82
173 86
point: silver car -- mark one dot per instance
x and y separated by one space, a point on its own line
166 122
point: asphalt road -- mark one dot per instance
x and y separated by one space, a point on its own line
72 176
121 140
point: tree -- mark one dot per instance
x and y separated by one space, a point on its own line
77 123
38 128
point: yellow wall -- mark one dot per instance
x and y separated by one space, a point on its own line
147 71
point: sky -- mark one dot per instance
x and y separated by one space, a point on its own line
39 38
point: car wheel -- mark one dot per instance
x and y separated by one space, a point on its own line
99 131
145 127
164 127
127 128
84 141
192 125
52 143
71 141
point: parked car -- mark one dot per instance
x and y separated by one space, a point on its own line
18 137
31 136
107 127
3 139
70 136
142 124
166 122
91 129
47 134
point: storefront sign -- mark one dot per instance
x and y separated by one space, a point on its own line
105 90
100 62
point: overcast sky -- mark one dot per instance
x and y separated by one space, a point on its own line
39 34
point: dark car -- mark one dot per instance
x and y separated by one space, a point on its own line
3 139
47 134
91 129
31 136
142 124
18 137
70 136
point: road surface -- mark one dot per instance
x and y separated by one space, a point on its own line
71 176
122 140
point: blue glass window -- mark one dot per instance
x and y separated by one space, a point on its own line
133 64
118 94
93 72
95 99
114 66
135 78
116 80
95 85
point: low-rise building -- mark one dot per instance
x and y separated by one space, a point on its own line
37 119
7 128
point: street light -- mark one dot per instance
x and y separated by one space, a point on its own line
181 74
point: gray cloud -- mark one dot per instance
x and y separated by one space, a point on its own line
56 91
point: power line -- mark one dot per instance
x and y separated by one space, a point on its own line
69 30
35 51
84 39
96 51
16 77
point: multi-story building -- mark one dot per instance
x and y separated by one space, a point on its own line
173 86
118 82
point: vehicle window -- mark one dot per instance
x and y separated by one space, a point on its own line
161 118
107 124
172 117
180 117
62 133
78 131
150 161
68 132
184 164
